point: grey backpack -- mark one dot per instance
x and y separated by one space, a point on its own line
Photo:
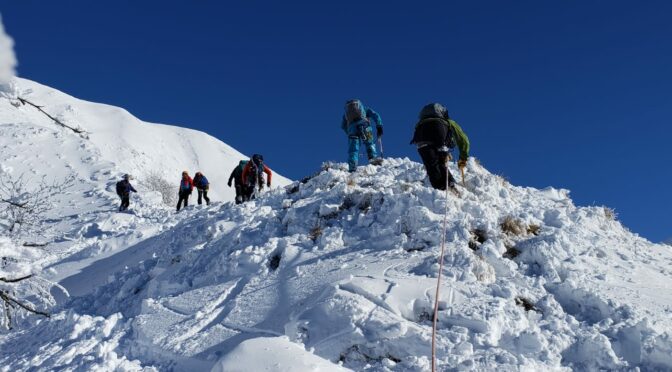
354 111
433 110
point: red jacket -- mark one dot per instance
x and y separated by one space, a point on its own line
187 184
248 170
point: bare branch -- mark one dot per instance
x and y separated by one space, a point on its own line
35 245
5 296
39 108
15 280
18 205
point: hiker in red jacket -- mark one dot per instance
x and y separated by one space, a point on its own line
186 187
253 176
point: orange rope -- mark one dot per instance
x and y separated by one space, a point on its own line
438 281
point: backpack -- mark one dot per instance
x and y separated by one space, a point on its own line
256 169
433 110
354 111
121 188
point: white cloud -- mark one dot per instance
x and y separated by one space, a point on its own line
7 60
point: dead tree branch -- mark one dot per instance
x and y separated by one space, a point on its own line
39 108
15 280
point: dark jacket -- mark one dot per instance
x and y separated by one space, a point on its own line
201 183
441 132
124 187
237 173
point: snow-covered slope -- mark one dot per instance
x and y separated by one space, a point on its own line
116 143
345 267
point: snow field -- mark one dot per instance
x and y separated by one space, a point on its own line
354 284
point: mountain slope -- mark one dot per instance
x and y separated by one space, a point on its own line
116 142
347 266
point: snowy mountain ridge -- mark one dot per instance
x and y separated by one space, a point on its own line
334 272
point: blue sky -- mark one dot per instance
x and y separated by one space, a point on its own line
571 94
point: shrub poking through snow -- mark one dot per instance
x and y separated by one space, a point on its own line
154 181
526 304
533 229
610 213
315 232
513 226
511 251
478 237
24 202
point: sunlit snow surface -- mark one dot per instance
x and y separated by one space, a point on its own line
334 273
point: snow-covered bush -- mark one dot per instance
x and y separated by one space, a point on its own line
24 203
154 181
22 294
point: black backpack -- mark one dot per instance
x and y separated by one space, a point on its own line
121 188
354 111
256 169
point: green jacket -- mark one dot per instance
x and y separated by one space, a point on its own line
460 138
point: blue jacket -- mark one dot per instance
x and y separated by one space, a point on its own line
201 182
351 129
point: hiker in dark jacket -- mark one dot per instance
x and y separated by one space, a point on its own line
237 177
435 135
202 186
124 189
356 123
186 187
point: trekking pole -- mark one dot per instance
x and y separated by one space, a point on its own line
380 143
438 280
462 171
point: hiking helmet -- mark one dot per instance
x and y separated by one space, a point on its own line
127 177
257 158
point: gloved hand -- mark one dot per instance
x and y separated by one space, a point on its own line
268 185
462 163
379 131
229 183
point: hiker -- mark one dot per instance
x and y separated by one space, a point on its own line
237 177
253 176
202 186
435 135
357 122
124 189
186 187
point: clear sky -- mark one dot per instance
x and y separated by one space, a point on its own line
570 94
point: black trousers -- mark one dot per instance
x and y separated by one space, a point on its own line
204 194
240 193
125 202
248 193
183 195
436 167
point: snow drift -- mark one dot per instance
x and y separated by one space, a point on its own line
345 268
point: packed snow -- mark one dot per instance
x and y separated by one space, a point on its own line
333 272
